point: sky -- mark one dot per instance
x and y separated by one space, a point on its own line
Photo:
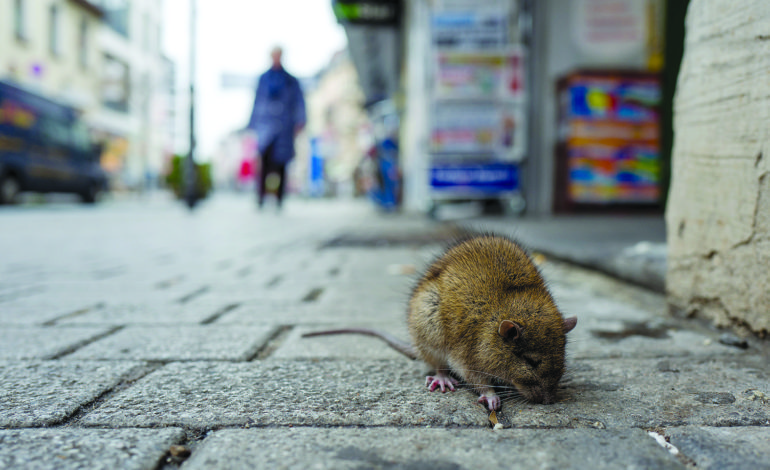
236 36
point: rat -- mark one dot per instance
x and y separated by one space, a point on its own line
483 312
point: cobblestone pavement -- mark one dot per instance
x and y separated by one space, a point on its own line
137 335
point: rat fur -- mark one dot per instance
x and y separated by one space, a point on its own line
482 311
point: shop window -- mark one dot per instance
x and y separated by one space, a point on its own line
83 43
54 43
19 20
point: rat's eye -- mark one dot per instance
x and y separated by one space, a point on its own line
531 361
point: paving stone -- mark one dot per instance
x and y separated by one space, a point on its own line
38 309
73 448
35 393
317 393
347 346
603 338
365 295
112 293
293 312
241 292
148 313
180 343
724 448
650 393
585 305
399 448
42 342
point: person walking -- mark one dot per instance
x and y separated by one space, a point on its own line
277 117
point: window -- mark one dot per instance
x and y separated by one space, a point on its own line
54 45
115 84
55 131
19 20
147 33
83 43
116 14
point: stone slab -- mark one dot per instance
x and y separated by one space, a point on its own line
43 342
346 346
148 313
41 308
112 293
644 393
571 301
42 393
724 448
418 448
261 293
292 313
365 294
179 343
308 393
650 393
595 338
73 448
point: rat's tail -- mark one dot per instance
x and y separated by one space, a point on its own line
398 344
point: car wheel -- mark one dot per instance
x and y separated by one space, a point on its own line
91 194
9 189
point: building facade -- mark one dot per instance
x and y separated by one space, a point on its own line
134 93
51 47
102 57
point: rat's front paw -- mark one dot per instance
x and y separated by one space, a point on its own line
441 381
491 400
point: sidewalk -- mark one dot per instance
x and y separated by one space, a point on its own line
142 336
632 248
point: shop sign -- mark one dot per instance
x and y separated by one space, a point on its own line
470 30
609 29
369 12
461 75
492 177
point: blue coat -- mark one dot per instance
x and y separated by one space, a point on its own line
278 109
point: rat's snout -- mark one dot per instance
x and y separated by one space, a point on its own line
540 395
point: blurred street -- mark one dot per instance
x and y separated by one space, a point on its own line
134 327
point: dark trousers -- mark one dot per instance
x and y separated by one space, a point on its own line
269 166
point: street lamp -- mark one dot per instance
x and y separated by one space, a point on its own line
190 177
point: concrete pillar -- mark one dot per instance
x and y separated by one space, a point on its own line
718 213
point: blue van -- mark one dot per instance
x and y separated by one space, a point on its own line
45 148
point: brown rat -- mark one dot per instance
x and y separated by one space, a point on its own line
483 312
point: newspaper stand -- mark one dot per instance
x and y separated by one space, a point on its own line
477 115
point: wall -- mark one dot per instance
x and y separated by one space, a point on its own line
414 127
718 214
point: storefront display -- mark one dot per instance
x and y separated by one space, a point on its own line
609 143
477 115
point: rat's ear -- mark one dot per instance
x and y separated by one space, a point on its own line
569 324
509 330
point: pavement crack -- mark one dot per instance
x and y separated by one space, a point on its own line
169 282
274 281
219 313
196 293
273 342
313 294
125 381
82 344
244 271
76 313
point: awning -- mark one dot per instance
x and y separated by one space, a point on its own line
373 31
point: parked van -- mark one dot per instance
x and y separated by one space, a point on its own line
44 147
